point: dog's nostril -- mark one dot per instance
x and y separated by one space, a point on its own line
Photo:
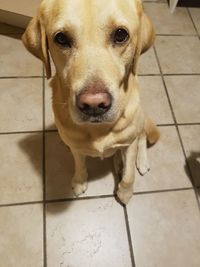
102 105
86 107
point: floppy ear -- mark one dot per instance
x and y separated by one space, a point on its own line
146 37
35 40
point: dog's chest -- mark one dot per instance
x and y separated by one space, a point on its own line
100 147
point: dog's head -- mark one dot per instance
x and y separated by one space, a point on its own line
95 46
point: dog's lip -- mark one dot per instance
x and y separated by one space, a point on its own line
95 120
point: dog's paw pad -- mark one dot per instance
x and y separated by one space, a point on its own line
79 188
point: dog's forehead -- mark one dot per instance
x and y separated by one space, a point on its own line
78 13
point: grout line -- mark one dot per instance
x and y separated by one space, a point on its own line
194 25
78 198
21 204
177 129
29 132
145 74
55 130
165 87
44 180
179 124
181 74
129 236
177 34
20 77
23 132
71 199
55 201
167 74
162 191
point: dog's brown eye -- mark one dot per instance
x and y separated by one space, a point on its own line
63 40
120 36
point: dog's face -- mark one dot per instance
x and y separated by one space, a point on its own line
94 45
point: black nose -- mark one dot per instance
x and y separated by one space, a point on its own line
94 104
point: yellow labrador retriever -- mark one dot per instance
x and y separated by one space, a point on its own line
95 46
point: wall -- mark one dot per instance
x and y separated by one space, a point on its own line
18 12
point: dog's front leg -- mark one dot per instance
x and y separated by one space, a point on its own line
79 180
125 187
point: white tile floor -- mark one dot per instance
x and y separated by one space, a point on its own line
42 224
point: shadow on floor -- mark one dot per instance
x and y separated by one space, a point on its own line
194 164
58 166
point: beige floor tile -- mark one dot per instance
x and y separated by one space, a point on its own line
21 168
195 13
8 29
49 116
148 63
167 165
87 233
178 54
165 229
16 60
59 171
156 1
154 99
165 22
21 242
21 105
191 140
185 97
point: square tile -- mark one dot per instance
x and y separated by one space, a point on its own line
185 97
165 229
165 22
156 1
21 105
92 229
195 13
16 60
60 169
21 168
148 63
191 140
21 231
167 165
178 54
49 116
154 99
9 29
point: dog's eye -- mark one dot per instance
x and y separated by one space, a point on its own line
120 36
63 40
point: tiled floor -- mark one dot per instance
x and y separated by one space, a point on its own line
42 224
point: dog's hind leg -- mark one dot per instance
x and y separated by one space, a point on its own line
79 180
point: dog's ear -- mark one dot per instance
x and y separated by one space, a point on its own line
146 37
35 40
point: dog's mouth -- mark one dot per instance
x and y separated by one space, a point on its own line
96 119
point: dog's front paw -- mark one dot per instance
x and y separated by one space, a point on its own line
142 164
79 187
124 193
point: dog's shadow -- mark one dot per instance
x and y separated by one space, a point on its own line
58 168
194 165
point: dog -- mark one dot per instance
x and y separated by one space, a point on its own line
95 46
